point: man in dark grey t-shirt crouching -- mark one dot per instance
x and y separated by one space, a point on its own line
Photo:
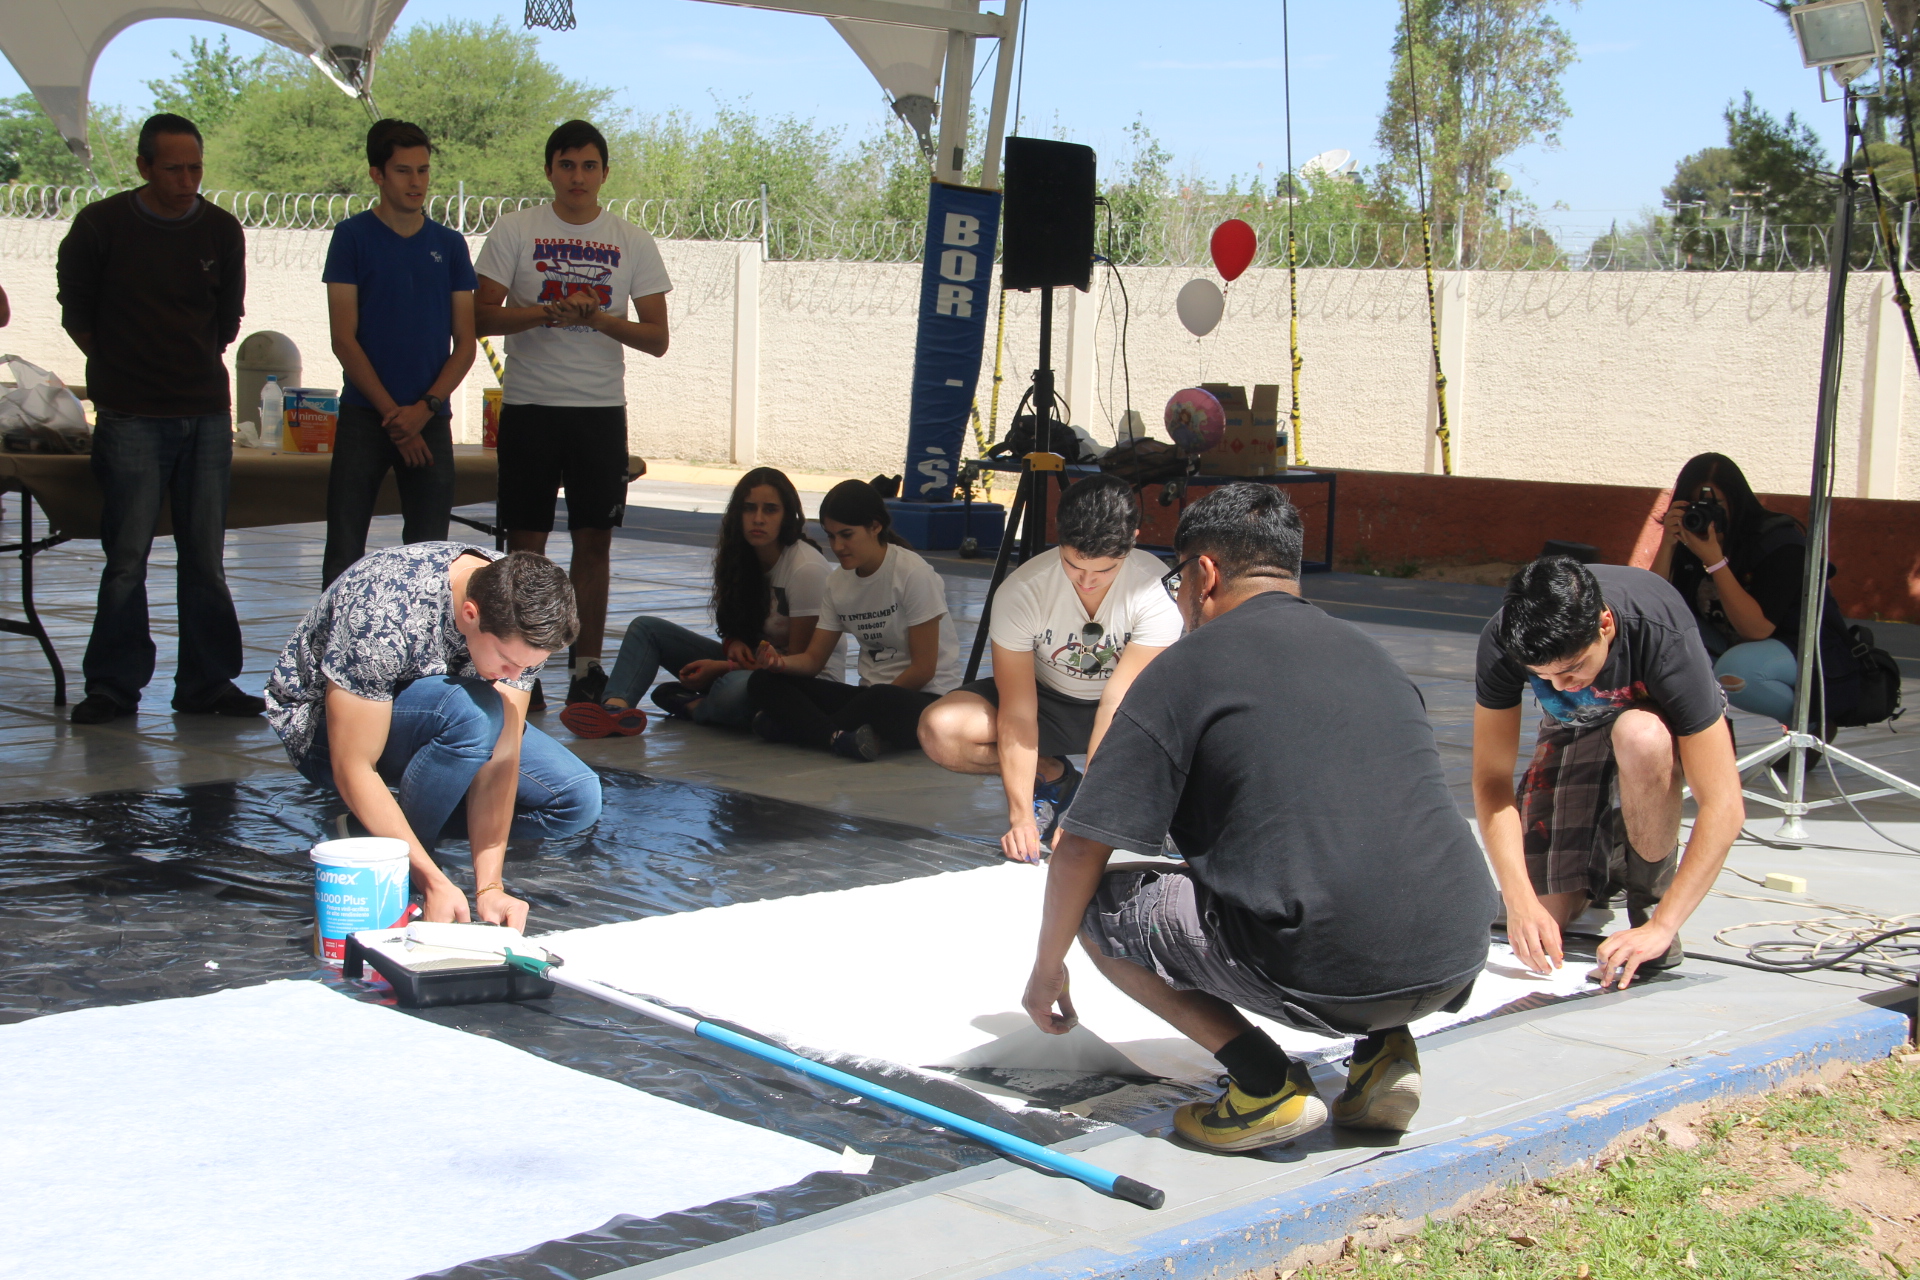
1329 885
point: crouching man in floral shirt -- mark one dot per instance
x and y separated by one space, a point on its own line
412 673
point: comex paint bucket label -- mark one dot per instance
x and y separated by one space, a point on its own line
359 883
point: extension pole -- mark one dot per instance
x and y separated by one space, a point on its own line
1117 1185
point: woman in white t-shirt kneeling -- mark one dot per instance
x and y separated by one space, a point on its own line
767 579
895 607
1071 629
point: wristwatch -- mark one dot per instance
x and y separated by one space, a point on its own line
435 405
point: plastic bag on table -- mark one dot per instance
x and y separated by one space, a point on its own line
39 414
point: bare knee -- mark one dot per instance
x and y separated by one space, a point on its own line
1642 742
949 726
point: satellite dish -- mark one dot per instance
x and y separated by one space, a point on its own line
1327 162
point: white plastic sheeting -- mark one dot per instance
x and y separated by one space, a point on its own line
929 973
54 46
286 1130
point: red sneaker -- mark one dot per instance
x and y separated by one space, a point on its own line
595 720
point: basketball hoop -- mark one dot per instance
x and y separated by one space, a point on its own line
555 15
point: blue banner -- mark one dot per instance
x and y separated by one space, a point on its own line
955 299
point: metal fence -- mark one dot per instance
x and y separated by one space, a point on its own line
1174 236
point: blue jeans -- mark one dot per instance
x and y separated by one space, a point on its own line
139 462
444 728
1765 673
653 643
362 455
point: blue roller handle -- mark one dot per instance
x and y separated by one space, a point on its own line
1114 1184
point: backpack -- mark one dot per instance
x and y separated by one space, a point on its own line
1879 683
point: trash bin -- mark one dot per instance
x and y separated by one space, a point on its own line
259 355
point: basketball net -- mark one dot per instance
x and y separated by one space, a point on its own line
555 15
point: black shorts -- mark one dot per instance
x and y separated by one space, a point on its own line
1066 724
544 448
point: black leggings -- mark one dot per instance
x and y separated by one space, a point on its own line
810 711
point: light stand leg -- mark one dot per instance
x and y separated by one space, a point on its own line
1814 590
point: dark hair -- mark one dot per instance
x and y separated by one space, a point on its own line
1246 529
1551 611
528 597
1745 514
389 136
740 588
857 502
148 147
1098 517
573 135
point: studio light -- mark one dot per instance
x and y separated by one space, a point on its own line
1835 32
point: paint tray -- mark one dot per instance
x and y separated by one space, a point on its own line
426 977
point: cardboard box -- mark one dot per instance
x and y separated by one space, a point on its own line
1248 445
313 414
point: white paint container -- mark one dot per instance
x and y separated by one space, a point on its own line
358 883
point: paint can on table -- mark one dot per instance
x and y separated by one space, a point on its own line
358 883
490 401
313 415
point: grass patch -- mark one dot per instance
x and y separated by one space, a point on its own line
1815 1181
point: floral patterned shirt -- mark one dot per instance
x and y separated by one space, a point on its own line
384 623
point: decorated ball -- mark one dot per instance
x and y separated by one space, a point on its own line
1195 420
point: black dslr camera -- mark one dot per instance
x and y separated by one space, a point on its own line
1702 514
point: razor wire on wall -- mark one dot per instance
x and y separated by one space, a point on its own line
1175 236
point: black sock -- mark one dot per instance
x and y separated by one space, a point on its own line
1256 1063
1372 1043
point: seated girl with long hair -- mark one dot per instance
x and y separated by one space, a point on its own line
895 606
767 579
1741 576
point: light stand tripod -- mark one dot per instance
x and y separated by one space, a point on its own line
1037 470
1800 740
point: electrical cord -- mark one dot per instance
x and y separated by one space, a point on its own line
1126 313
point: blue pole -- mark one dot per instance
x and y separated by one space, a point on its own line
1119 1186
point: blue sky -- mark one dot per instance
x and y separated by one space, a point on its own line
1652 79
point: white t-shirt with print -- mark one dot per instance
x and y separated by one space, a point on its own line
1037 609
878 611
540 259
798 579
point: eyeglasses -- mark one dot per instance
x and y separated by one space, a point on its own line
1171 578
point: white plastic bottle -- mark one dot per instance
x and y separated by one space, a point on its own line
273 412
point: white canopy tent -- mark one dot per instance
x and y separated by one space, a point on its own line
54 46
907 44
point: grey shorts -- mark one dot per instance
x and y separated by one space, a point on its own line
1066 724
1157 918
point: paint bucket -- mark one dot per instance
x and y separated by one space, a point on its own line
490 399
358 883
313 414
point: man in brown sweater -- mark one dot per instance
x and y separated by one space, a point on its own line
151 289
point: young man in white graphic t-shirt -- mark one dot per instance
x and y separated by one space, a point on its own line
556 280
1071 629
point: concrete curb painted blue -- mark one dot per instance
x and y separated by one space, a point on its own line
1431 1179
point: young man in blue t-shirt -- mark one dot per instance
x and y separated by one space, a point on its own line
400 303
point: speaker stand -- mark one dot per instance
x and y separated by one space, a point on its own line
1028 514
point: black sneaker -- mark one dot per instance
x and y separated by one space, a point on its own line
1057 796
230 702
674 698
537 698
857 744
590 687
97 708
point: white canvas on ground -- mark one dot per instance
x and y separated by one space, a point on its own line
929 973
286 1130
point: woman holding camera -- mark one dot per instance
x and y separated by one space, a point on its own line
1738 565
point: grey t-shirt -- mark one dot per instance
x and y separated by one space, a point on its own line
384 623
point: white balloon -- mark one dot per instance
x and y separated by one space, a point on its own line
1200 305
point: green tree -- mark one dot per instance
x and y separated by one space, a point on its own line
481 91
32 150
210 83
1488 79
1703 184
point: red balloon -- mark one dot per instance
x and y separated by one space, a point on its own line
1233 246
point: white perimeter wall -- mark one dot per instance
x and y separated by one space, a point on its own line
1604 377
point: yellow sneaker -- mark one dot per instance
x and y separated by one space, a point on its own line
1383 1091
1238 1121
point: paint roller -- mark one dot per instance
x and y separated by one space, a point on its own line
533 959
